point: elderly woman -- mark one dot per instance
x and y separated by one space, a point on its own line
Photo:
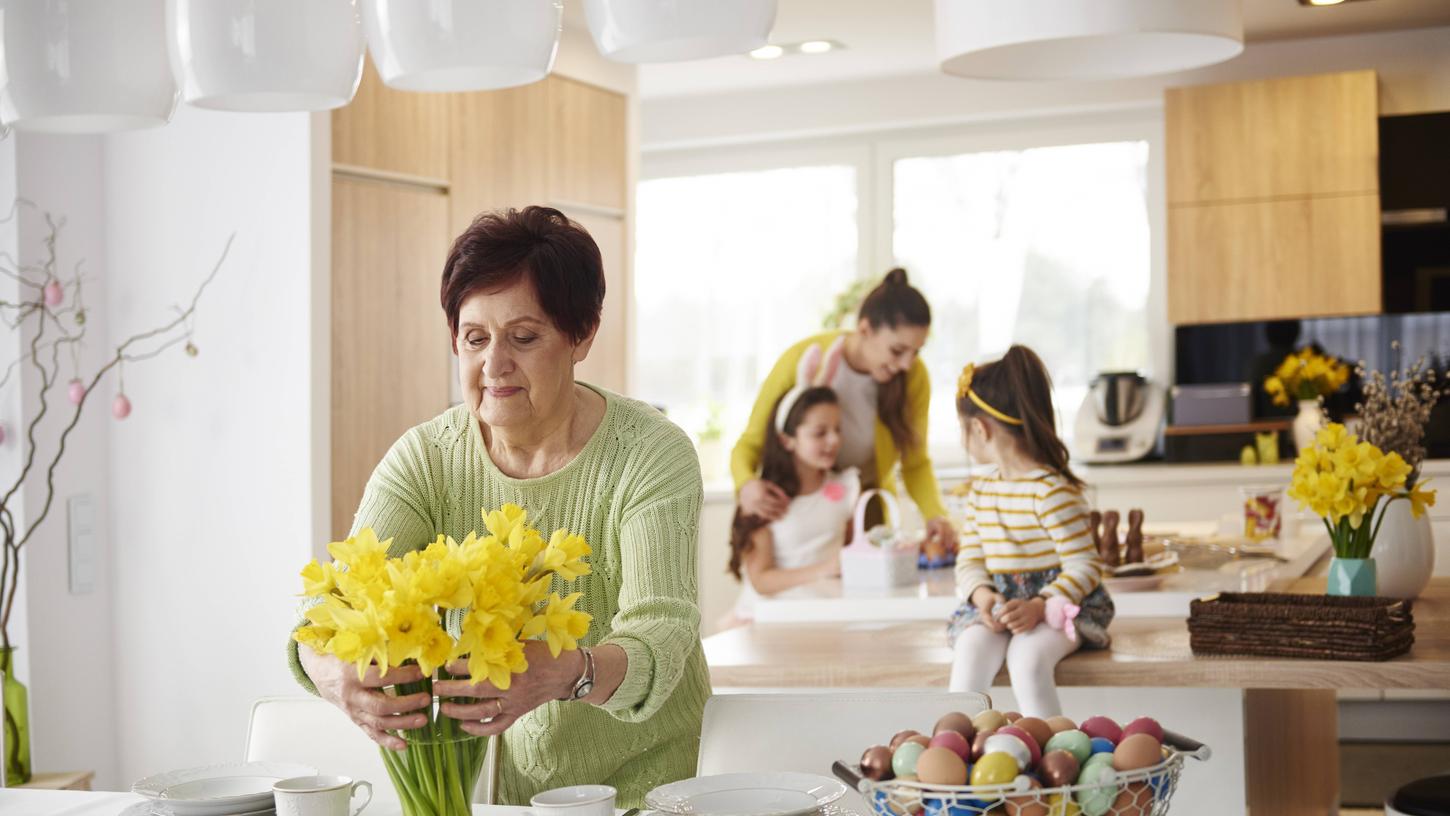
523 291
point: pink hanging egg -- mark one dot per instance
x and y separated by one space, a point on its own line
54 294
2 434
121 407
76 392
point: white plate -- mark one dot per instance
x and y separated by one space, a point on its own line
1138 583
218 790
746 794
155 808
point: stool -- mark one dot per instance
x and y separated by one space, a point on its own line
1423 797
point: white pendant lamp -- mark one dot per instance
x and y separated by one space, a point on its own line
675 30
84 66
267 55
462 45
1084 39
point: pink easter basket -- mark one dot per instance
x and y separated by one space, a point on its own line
882 558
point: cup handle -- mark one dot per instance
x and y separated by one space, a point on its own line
361 783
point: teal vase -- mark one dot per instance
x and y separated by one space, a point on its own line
16 734
1352 576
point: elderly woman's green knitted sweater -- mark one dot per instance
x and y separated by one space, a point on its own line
634 492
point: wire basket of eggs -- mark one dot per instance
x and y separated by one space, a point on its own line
1004 763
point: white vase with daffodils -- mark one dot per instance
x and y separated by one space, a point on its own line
477 600
1348 483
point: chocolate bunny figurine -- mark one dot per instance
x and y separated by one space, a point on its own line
1108 545
1134 539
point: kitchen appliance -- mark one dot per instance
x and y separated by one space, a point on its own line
1119 419
1213 404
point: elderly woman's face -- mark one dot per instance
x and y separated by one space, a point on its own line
515 366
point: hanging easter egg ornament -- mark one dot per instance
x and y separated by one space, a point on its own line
192 351
54 294
2 434
76 392
121 407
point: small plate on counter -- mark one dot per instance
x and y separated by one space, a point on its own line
746 794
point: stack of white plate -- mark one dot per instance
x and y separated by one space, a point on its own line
749 794
233 789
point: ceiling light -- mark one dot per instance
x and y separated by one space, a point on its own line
767 52
675 30
816 46
1320 2
1084 39
462 45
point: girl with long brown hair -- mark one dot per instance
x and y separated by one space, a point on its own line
1027 538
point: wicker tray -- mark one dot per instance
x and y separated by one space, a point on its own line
1321 627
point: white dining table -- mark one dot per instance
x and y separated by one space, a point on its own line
17 802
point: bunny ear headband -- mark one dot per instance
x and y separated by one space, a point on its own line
814 371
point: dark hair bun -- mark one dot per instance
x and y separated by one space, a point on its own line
896 277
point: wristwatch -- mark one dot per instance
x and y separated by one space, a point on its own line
585 683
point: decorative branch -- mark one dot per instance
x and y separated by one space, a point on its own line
57 326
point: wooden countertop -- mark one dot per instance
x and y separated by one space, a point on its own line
1146 652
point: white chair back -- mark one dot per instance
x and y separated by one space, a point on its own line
806 732
312 731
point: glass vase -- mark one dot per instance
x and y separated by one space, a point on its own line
438 771
1351 576
16 735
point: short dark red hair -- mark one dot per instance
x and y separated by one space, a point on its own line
539 244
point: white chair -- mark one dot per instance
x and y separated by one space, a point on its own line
312 731
807 732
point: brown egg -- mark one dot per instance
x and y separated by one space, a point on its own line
1028 804
979 744
1135 799
920 739
958 722
1036 728
1060 724
1058 768
941 766
1012 716
876 763
900 738
989 720
1137 751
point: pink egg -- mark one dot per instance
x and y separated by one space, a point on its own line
2 434
1144 725
120 407
954 742
1102 727
54 294
76 392
1032 746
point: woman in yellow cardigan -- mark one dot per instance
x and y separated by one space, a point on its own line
884 394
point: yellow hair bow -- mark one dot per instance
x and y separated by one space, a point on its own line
964 389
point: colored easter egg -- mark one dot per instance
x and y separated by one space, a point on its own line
1038 728
1062 804
120 407
941 766
1096 789
1032 746
954 742
76 392
1015 746
1059 768
989 720
920 739
979 744
1027 804
1102 745
1137 751
1060 724
995 769
1143 725
876 763
1102 727
1012 716
1074 742
900 737
903 760
1135 799
54 294
958 722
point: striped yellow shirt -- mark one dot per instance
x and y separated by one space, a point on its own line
1033 523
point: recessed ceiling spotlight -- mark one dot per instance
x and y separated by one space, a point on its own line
1323 2
767 52
816 46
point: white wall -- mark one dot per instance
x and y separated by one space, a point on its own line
212 476
1414 68
68 642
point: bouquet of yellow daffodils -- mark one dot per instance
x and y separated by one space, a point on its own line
1343 480
477 600
1306 375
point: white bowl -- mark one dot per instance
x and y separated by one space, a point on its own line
218 790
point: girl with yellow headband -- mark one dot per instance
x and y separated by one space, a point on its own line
1027 538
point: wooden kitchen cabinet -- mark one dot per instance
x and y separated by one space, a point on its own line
1265 260
390 131
1273 199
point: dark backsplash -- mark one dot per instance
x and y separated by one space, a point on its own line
1247 352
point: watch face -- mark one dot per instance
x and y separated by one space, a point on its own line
583 690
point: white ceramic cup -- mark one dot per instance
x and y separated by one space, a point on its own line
320 796
576 800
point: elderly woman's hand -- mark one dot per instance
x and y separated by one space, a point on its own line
364 701
548 678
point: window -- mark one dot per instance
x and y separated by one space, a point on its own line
1048 247
730 270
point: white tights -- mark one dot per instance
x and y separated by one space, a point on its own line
1031 659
